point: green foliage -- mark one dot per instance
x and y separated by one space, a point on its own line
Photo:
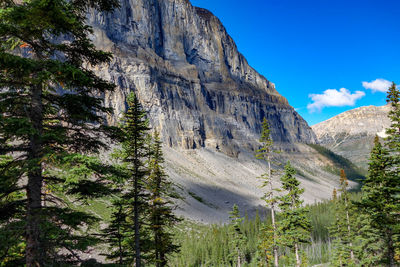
161 219
140 230
369 245
266 244
266 153
265 140
51 126
211 245
294 227
393 132
342 230
237 240
353 172
129 235
379 203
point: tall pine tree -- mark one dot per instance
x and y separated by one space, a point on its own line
392 183
342 230
378 201
162 219
129 224
381 190
237 237
50 121
265 153
295 225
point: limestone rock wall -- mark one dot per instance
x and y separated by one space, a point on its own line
186 69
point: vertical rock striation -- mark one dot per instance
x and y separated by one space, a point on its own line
186 69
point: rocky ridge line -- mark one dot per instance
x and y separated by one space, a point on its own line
187 71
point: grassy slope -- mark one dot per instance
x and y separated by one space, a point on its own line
353 172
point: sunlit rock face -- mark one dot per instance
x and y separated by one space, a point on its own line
351 134
188 74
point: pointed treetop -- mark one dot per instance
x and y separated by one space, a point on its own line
376 140
234 214
393 95
265 140
265 132
334 194
343 178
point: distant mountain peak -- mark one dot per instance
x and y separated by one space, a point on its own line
350 134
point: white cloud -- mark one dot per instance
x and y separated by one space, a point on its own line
380 85
334 98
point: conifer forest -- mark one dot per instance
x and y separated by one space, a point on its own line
76 190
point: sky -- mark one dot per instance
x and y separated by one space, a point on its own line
324 56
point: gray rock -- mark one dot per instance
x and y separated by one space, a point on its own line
188 74
351 133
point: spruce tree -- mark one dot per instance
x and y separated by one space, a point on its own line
393 132
265 153
115 234
392 182
336 232
369 246
378 201
266 244
380 192
295 226
162 219
342 231
50 122
238 239
131 209
344 196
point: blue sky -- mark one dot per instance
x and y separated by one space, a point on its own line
306 47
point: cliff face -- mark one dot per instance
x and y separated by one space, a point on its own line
187 72
351 133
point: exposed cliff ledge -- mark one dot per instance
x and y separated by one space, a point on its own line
187 71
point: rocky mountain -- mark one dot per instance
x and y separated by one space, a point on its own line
187 71
207 103
351 133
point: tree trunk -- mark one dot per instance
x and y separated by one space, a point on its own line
391 251
34 246
298 262
136 203
349 231
137 229
239 261
266 258
275 248
121 259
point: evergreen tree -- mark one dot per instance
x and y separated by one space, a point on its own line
50 122
238 239
378 201
342 230
336 230
334 194
393 132
115 234
129 226
162 219
380 193
295 226
344 196
266 243
392 182
265 153
369 244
